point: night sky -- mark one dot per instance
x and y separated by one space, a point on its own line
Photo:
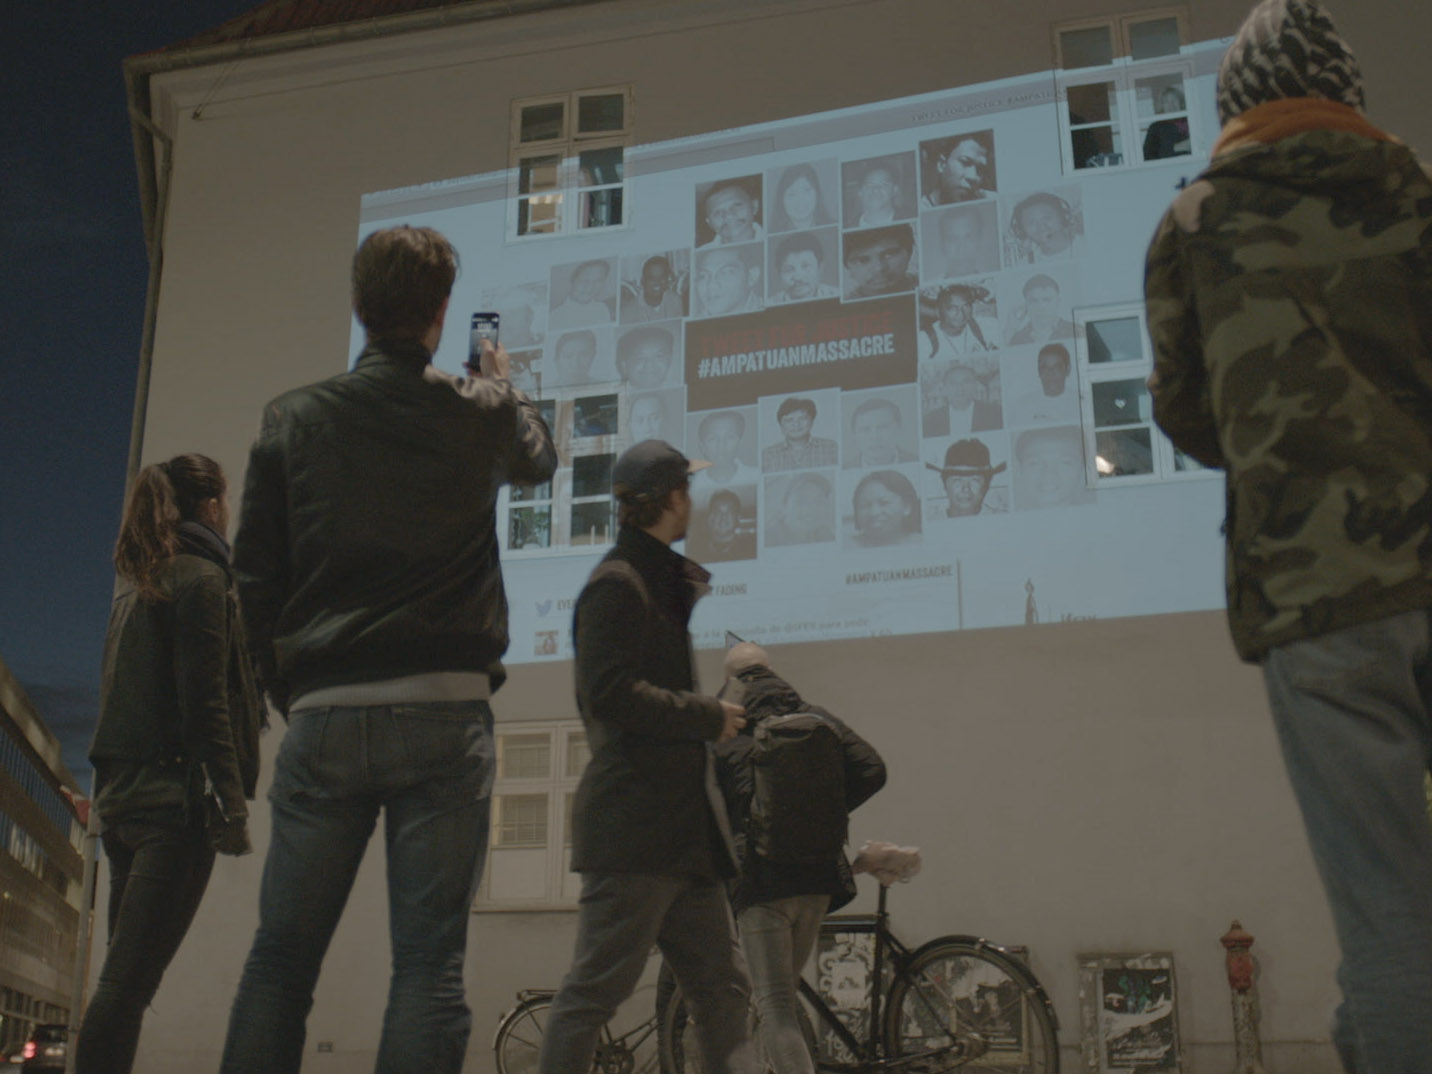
73 308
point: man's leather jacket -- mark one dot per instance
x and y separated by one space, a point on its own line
367 547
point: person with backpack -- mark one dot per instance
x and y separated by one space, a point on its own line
790 777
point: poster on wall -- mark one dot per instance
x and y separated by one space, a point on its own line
1129 1014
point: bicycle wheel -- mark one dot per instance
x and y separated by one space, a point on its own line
518 1042
681 1051
958 997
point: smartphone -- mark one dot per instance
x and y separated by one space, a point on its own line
484 326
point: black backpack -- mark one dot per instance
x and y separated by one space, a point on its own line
798 814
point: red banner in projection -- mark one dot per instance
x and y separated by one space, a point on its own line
731 361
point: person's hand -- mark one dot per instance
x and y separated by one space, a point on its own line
232 838
495 362
734 717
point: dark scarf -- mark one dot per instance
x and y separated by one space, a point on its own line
199 540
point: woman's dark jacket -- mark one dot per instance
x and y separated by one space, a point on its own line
763 693
177 691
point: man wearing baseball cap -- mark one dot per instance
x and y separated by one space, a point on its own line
966 476
650 835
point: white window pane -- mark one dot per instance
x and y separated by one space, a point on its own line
601 167
517 875
537 174
599 112
600 208
1090 47
1154 37
578 754
1163 117
524 756
1119 339
1120 402
519 820
1124 452
541 215
541 122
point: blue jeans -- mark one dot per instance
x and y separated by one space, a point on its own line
429 768
778 937
157 876
1352 714
619 917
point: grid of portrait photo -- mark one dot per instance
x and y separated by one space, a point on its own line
868 351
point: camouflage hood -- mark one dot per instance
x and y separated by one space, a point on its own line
1289 298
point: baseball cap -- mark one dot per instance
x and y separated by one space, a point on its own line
651 469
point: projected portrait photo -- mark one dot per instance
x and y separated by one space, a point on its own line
655 287
1038 308
526 370
956 168
800 508
728 280
649 356
803 196
958 319
656 416
970 478
728 212
879 427
962 240
583 294
594 415
1042 387
1047 225
878 190
1049 468
883 510
727 440
529 528
803 266
961 396
725 528
878 261
792 429
579 356
522 309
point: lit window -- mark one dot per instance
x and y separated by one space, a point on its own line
1123 91
568 162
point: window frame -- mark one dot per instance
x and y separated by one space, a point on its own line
573 199
560 886
1123 73
1164 457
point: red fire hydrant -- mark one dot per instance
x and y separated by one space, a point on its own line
1242 973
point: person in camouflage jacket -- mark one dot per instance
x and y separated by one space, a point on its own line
1289 293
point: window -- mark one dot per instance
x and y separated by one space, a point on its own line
1122 443
568 162
529 858
1122 88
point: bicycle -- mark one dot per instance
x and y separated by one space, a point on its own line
953 1003
518 1040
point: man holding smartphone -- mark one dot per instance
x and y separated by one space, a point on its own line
367 561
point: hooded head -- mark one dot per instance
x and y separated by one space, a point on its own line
1287 48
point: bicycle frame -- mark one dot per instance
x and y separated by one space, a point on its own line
877 924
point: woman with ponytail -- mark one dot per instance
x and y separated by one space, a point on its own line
176 750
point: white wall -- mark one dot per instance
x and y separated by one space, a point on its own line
1100 786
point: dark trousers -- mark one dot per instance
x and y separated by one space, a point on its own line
157 877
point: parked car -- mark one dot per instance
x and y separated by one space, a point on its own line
46 1049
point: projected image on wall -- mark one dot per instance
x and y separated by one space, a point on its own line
907 336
